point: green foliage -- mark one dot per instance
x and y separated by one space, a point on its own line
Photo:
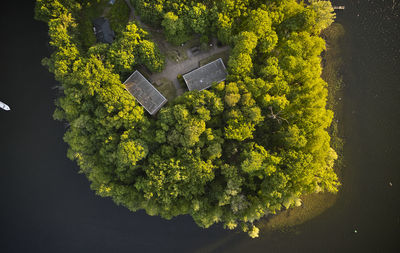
123 53
175 30
198 18
119 15
150 56
234 153
258 22
150 11
240 62
45 10
90 10
325 14
131 49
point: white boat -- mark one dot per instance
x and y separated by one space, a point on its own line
4 106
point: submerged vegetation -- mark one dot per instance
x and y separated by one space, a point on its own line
245 148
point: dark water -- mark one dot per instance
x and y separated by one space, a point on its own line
47 207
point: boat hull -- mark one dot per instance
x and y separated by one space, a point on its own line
4 106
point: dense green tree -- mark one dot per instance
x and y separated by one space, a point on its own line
258 22
45 10
150 56
151 11
324 14
224 25
124 52
119 15
175 30
132 48
198 18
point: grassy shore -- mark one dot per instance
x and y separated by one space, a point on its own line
316 203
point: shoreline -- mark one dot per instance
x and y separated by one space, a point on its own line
315 204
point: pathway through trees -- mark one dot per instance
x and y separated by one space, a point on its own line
176 67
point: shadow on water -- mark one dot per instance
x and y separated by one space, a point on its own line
48 207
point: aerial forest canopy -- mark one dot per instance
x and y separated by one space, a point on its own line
244 148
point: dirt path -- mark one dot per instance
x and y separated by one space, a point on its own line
174 67
133 17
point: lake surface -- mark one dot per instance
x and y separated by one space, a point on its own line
48 207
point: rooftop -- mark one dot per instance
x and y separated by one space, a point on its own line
102 30
145 93
203 77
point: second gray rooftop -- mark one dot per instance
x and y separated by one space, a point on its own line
203 77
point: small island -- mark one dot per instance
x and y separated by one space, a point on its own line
213 109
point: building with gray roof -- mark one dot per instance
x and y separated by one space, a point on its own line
203 77
145 93
103 31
